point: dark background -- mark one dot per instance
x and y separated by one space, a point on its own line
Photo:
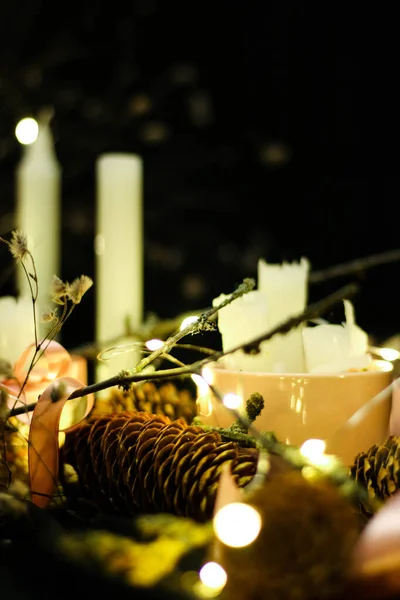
267 129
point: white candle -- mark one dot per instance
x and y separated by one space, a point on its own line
333 348
239 322
119 254
286 289
38 205
16 327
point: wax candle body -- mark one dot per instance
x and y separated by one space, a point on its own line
286 290
16 327
239 322
38 206
119 254
332 348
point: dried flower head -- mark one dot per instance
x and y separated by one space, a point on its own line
78 288
59 291
18 245
49 317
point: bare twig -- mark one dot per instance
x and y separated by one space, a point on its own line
311 312
357 265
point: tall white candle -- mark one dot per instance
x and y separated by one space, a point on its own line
38 206
119 254
286 290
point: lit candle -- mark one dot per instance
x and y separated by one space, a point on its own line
119 255
38 205
286 289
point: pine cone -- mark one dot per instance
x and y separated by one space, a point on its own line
162 399
136 462
378 470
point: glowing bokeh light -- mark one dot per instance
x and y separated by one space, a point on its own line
154 344
237 524
208 375
232 401
27 131
213 576
313 449
188 321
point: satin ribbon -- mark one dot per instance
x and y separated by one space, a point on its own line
53 363
43 451
49 384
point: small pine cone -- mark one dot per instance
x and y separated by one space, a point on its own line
136 462
162 399
378 470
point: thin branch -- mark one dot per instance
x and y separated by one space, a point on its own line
355 266
313 311
201 324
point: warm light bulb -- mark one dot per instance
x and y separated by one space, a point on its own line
154 344
389 354
213 576
232 401
188 321
237 524
208 375
27 131
313 449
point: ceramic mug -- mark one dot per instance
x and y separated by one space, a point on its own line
298 407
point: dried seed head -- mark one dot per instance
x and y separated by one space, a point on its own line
19 245
78 288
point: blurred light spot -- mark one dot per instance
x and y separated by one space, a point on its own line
232 401
154 344
27 131
389 354
237 524
99 244
154 132
140 104
184 74
208 375
313 449
213 576
193 287
32 77
275 154
200 108
92 109
188 321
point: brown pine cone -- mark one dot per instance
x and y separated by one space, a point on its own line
378 470
161 399
135 462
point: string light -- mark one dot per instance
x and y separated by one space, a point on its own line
237 524
188 321
27 131
208 375
154 344
232 401
314 451
213 576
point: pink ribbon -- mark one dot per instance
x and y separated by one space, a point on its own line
43 451
47 381
53 363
